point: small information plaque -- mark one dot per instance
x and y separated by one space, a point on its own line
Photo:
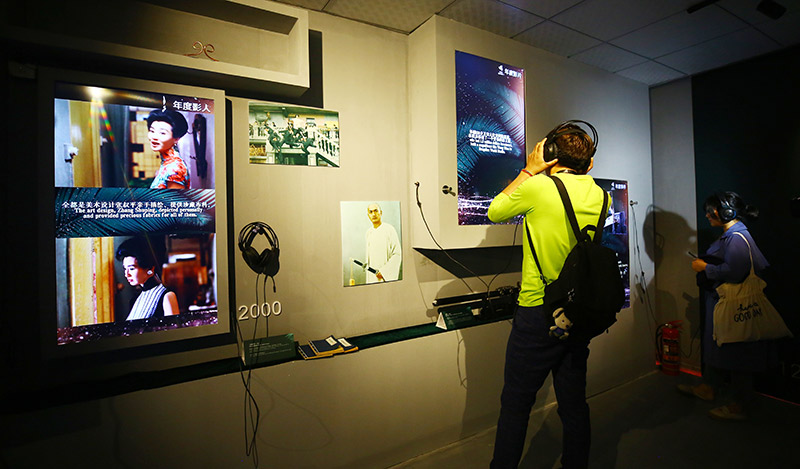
269 349
455 318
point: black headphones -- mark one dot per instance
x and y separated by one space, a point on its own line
726 212
267 262
551 150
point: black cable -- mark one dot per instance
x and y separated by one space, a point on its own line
643 285
488 285
269 266
250 404
419 204
264 292
510 257
642 282
252 412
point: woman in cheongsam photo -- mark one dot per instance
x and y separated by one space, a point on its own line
164 129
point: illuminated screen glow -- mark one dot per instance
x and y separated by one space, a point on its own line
490 132
615 228
119 185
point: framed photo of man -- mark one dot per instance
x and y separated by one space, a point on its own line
371 242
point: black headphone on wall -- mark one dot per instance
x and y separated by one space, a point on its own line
551 149
266 262
726 212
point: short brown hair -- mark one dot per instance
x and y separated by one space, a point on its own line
575 150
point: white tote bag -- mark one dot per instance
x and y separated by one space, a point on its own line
744 314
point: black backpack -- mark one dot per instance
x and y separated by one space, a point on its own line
589 287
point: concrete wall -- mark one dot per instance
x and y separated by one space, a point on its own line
672 219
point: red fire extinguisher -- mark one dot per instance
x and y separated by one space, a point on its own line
668 343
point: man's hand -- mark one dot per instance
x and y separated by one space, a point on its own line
535 162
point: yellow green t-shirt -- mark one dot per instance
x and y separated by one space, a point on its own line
538 199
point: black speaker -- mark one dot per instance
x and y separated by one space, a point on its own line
266 262
726 212
568 127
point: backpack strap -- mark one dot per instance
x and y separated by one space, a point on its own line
533 251
598 229
573 221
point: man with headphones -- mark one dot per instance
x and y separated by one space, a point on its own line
532 354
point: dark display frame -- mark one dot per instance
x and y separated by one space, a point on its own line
114 357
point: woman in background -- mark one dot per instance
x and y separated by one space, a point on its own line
139 264
164 129
728 260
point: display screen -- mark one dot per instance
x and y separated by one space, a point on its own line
615 229
490 132
137 213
